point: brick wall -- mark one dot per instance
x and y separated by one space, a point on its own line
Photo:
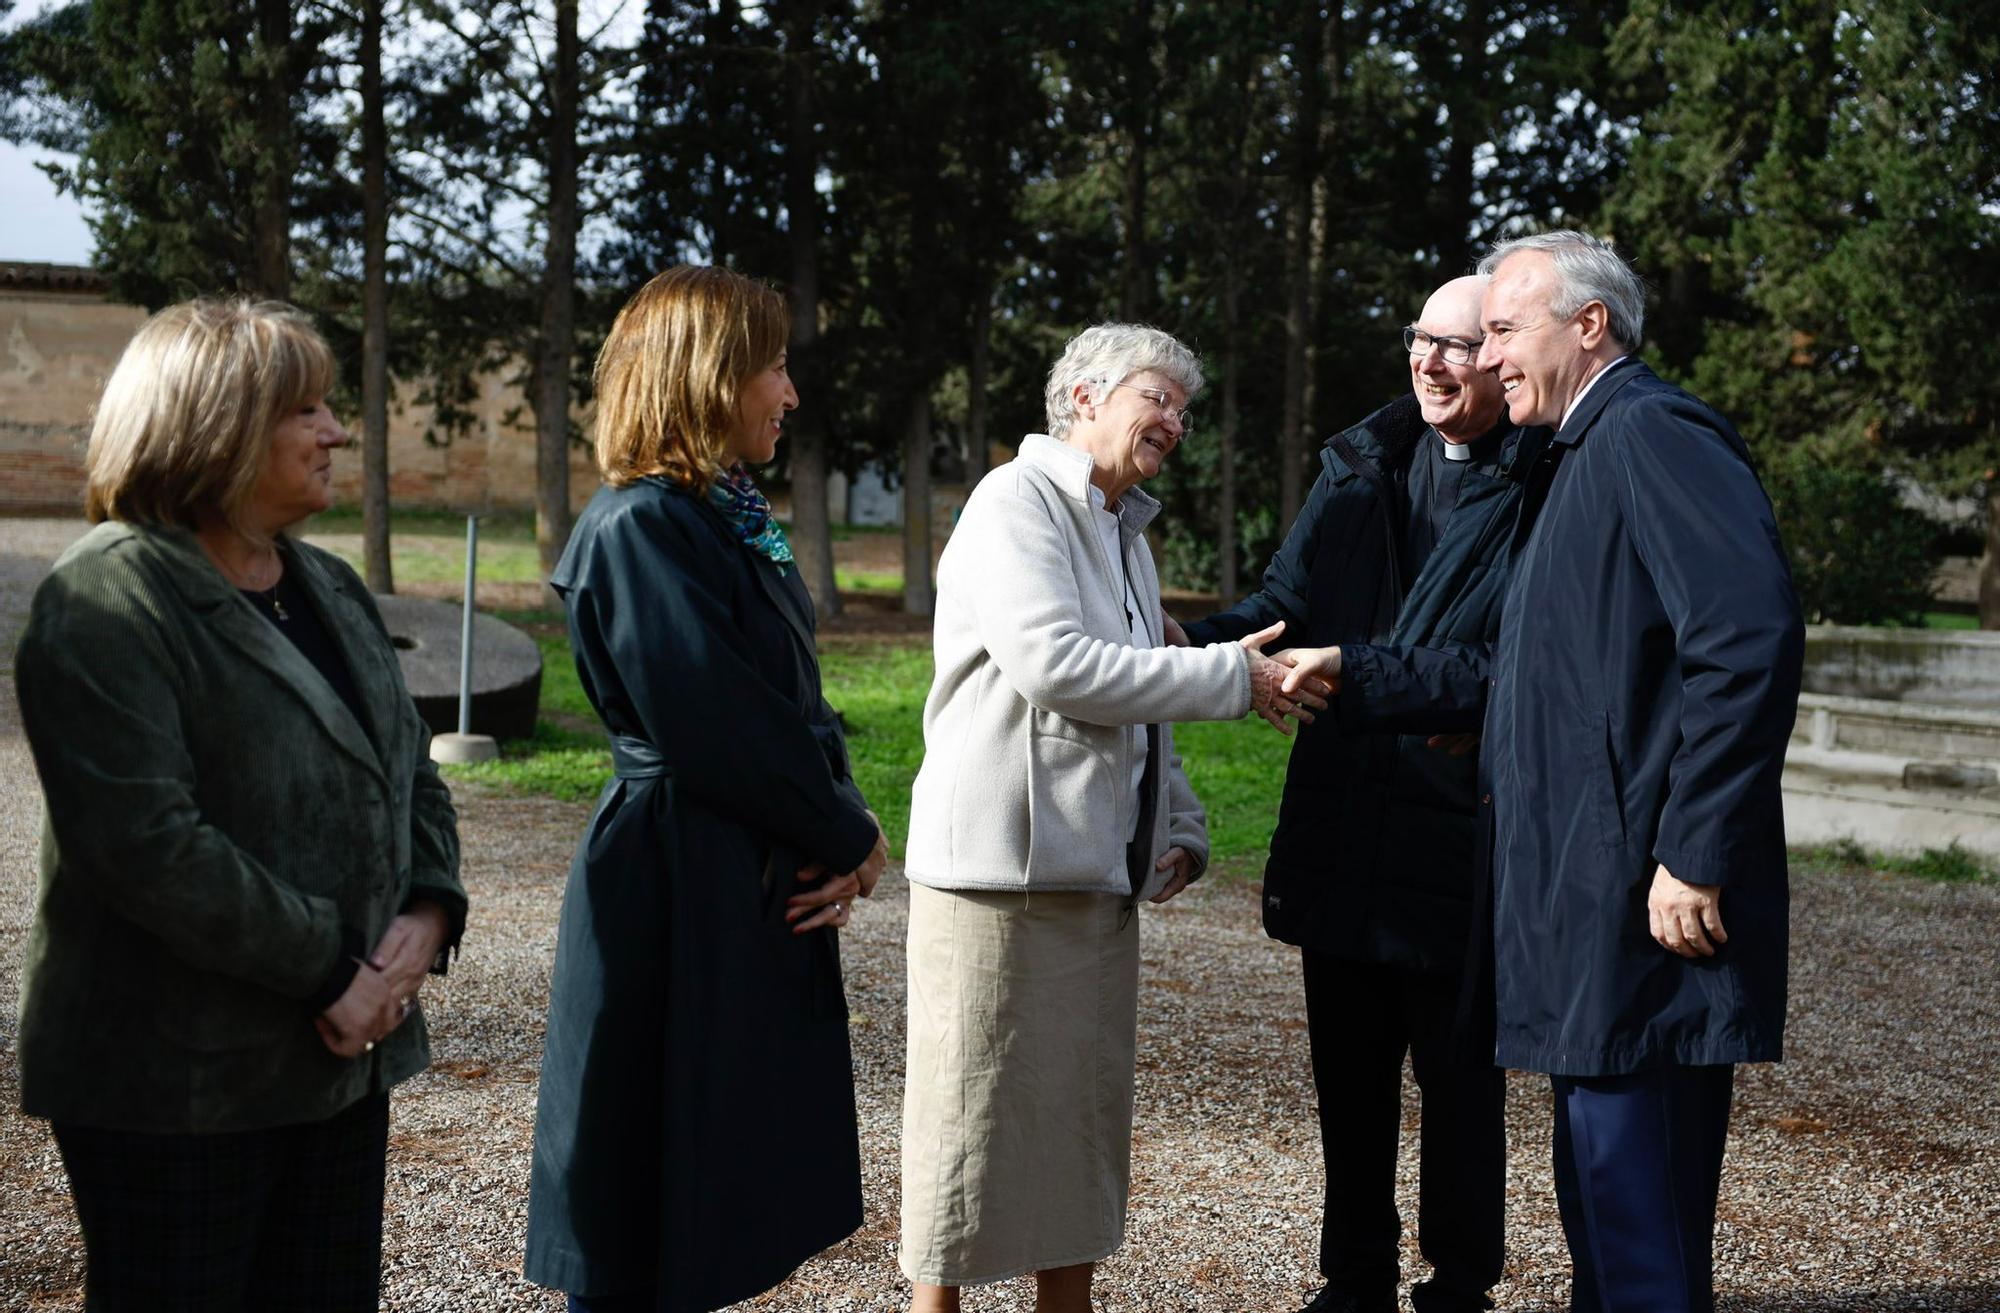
60 338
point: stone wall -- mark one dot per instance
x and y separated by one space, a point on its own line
60 336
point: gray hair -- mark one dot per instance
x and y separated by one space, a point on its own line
1587 269
1111 353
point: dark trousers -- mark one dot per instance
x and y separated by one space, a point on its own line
1362 1018
1638 1160
640 1302
287 1218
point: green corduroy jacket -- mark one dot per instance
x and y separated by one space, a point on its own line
215 816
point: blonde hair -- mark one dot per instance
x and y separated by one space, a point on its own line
185 422
673 368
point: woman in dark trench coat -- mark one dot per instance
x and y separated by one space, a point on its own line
695 1136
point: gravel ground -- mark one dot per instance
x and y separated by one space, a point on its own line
1863 1174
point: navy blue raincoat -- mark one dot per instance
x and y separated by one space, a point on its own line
1646 682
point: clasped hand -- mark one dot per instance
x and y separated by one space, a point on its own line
827 904
384 989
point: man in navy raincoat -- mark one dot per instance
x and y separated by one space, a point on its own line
1645 685
1397 563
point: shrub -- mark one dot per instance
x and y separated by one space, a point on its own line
1859 555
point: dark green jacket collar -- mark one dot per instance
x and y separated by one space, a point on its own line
178 556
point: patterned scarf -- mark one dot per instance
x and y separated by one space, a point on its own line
737 496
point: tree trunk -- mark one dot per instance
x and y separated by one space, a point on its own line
374 309
977 370
1225 447
724 46
1298 269
1140 96
1989 568
274 182
552 366
812 536
918 597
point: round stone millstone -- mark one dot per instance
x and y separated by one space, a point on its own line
506 667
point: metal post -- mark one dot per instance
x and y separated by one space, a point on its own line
465 630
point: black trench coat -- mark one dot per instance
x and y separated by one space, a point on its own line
695 1128
1374 854
1646 683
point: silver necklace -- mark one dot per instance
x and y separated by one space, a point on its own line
271 595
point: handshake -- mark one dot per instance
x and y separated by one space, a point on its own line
1295 682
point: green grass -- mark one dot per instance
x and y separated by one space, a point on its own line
1237 769
1950 620
429 546
868 581
567 757
1948 865
879 688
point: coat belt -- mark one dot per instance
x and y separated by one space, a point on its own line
636 759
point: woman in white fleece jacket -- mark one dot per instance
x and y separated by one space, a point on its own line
1049 803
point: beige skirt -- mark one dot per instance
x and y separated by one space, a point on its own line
1017 1103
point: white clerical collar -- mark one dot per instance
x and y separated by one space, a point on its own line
1455 450
1588 386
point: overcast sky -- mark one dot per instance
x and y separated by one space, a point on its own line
35 223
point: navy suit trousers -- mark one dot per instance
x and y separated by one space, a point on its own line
1638 1160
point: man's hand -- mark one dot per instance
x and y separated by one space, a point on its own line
1683 917
1267 698
1319 665
1176 636
1458 745
1181 862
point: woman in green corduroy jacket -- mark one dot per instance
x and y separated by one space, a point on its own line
249 864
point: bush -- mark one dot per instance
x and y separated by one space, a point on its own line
1859 555
1953 865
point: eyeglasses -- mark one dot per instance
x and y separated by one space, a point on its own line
1455 350
1164 400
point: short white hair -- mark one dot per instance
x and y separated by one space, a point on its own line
1107 354
1587 269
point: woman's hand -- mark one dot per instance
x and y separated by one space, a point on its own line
1181 861
1273 695
825 905
408 949
367 1011
870 869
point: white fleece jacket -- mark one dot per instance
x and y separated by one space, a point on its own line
1025 749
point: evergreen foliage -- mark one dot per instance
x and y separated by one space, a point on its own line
1809 189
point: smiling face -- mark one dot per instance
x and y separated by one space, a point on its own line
1128 435
1459 401
297 478
1542 361
760 413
